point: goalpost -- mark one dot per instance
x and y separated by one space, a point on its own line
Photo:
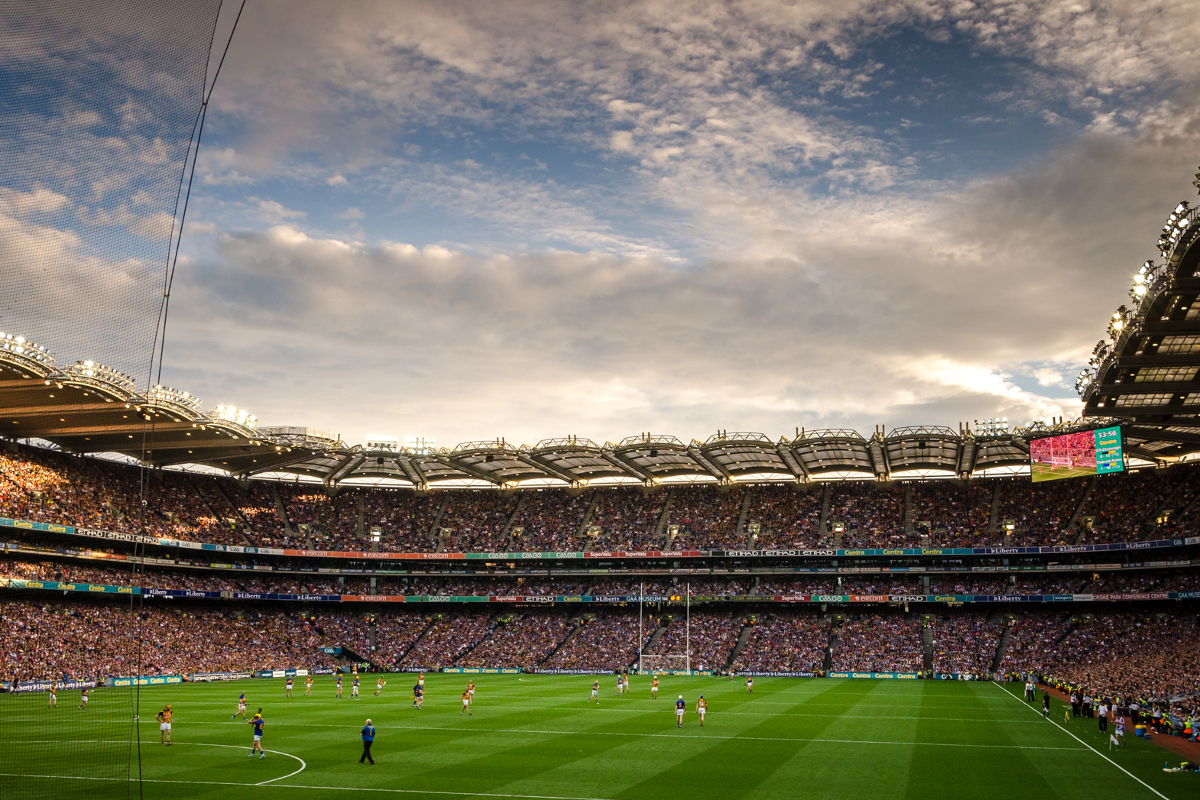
667 663
674 662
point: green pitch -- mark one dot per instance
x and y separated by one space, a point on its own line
535 737
1045 472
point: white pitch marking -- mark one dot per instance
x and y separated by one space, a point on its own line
1085 744
303 764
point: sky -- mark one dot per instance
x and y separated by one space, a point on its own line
468 221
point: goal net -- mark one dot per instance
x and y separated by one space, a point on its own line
663 663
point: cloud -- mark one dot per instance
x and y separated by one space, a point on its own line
271 211
718 233
218 167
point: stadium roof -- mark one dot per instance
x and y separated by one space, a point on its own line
88 408
1146 373
1145 376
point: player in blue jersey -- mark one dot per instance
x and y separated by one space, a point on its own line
354 688
257 722
596 691
241 707
680 710
418 695
339 688
288 688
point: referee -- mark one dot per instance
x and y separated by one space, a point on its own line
368 736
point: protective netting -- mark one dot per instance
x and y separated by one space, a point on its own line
98 99
70 749
98 105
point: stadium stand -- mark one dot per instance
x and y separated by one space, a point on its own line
707 516
1040 511
47 486
82 640
1126 644
964 643
873 515
878 643
789 641
522 641
715 634
626 518
605 642
788 516
956 516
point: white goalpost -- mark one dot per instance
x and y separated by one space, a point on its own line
672 662
663 663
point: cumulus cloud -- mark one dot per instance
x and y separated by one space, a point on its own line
717 233
739 251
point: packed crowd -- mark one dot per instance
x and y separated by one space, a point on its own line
1120 505
626 518
445 641
791 641
48 486
606 641
1040 511
964 643
954 515
476 518
395 633
707 516
1128 654
548 521
1032 635
787 516
41 640
873 515
879 643
523 641
870 584
711 638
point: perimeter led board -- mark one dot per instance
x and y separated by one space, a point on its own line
1075 455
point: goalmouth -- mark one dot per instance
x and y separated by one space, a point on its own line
664 663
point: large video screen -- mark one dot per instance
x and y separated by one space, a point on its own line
1075 455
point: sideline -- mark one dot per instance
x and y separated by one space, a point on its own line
1082 742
